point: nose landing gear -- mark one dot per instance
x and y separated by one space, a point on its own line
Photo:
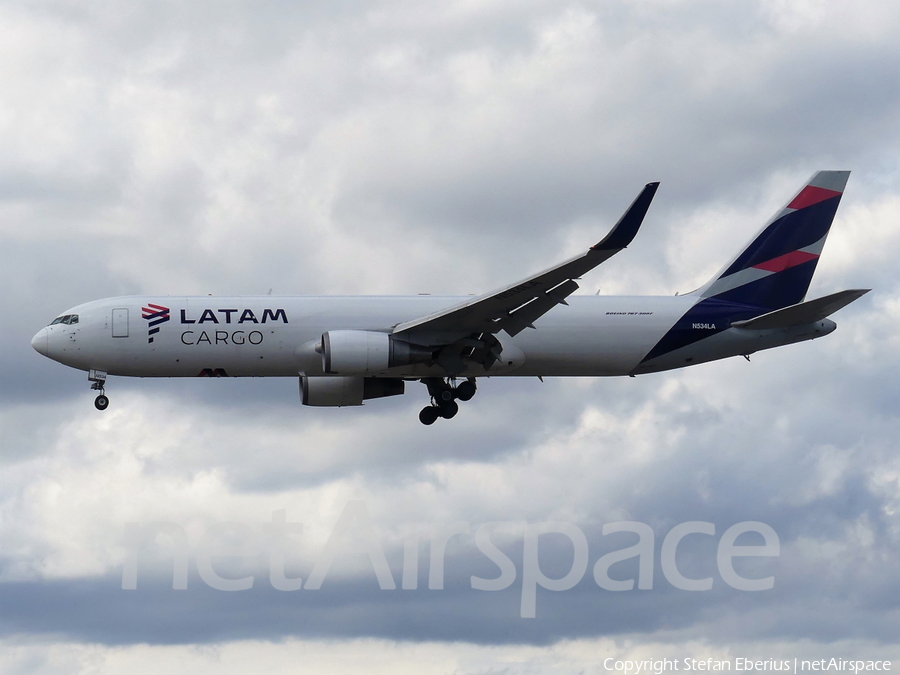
443 398
98 383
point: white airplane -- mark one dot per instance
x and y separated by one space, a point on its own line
346 350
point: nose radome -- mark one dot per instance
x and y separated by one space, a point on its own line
40 342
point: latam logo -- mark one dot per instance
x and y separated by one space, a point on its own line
155 314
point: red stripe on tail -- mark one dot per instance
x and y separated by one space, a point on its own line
785 261
811 195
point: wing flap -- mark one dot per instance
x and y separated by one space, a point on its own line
804 312
525 316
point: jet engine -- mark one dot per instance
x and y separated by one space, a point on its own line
346 390
362 352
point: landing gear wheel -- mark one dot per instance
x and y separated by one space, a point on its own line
465 390
429 415
449 409
443 397
101 402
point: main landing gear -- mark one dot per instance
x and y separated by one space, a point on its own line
443 398
98 383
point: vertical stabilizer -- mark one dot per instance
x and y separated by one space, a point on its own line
775 269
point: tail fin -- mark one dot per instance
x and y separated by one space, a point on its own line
776 267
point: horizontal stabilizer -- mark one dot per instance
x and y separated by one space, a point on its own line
804 312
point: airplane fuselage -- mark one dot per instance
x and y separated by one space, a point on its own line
272 336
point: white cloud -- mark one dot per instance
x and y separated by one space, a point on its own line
375 656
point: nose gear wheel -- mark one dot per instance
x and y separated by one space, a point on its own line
98 383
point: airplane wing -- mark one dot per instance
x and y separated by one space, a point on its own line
517 306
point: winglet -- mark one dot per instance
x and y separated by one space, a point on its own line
627 227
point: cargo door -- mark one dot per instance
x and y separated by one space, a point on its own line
120 323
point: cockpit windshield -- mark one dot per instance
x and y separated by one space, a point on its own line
67 319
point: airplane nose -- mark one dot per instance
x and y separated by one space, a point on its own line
40 342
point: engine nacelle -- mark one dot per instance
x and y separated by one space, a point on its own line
338 390
363 352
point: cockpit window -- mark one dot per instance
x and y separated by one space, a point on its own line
67 319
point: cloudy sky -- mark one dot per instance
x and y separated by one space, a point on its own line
403 147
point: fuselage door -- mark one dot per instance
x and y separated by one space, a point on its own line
120 323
